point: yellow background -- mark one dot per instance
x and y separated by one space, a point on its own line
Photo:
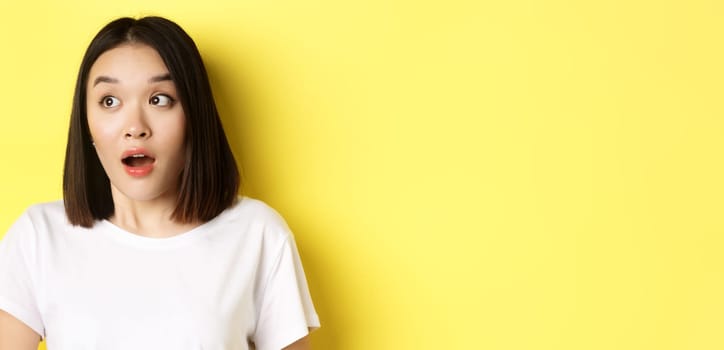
539 174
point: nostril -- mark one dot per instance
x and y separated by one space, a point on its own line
131 134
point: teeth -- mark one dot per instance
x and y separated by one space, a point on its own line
138 156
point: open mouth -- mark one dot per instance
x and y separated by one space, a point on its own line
138 160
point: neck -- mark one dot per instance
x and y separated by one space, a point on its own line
150 218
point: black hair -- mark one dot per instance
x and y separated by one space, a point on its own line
209 182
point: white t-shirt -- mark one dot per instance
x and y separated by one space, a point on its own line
234 282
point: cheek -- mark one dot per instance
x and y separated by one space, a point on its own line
103 126
104 134
177 132
94 126
101 132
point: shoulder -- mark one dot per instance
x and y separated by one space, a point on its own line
258 209
39 216
256 212
54 210
49 216
253 218
252 230
30 231
41 225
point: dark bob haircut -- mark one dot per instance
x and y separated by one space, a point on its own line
209 182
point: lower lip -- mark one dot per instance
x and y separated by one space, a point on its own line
139 171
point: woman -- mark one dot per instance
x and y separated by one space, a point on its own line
151 248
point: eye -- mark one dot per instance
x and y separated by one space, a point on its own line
110 101
161 100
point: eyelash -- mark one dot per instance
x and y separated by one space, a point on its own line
171 100
103 100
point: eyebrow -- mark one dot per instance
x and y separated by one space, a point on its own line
162 77
104 79
109 80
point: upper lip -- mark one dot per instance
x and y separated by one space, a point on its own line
136 151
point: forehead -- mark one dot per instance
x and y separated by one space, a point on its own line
128 62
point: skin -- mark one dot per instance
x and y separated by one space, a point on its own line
131 103
15 335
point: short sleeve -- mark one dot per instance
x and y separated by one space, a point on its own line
286 312
17 266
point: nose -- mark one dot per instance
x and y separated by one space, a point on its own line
137 128
137 133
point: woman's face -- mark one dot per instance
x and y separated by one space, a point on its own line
136 122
